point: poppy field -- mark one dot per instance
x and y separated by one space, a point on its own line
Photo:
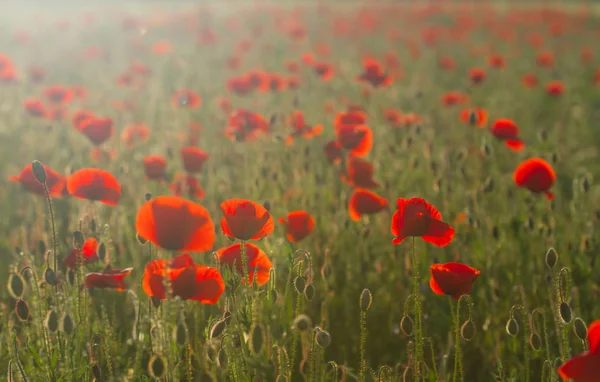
302 191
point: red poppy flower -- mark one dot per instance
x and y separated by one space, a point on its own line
80 116
584 367
411 119
140 68
298 225
98 130
257 79
447 62
374 74
162 47
175 224
88 253
452 279
113 279
187 280
323 70
154 167
8 75
417 218
529 80
239 85
135 132
186 98
454 98
536 175
555 88
56 183
475 115
477 75
300 128
245 220
393 117
245 125
545 59
273 82
360 174
95 184
258 263
186 184
507 131
497 61
354 117
358 139
333 151
193 159
79 92
58 94
365 202
35 107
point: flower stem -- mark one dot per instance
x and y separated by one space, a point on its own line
418 329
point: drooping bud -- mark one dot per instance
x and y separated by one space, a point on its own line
366 298
50 276
67 324
322 338
157 366
16 285
512 327
407 325
580 329
468 330
309 292
22 310
302 323
78 240
180 334
96 372
566 314
535 341
51 321
140 239
551 258
299 284
217 329
257 338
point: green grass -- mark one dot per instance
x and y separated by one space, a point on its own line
506 234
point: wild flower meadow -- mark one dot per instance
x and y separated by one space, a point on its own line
300 191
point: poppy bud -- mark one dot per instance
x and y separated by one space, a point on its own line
407 325
140 239
557 363
169 153
409 142
468 330
96 371
586 244
51 321
542 135
257 338
67 324
227 317
211 354
217 329
535 341
97 339
488 185
222 359
551 258
299 284
417 129
237 341
78 240
309 292
272 119
486 150
267 205
554 158
148 196
366 298
180 334
22 310
281 378
495 232
71 276
580 329
322 338
50 276
302 323
566 314
16 285
157 367
472 118
585 184
155 301
39 172
512 327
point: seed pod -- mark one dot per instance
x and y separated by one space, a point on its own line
566 314
512 327
257 338
309 292
22 310
322 338
157 366
217 329
302 323
222 359
535 341
366 298
180 334
299 284
78 240
16 285
551 258
102 251
468 330
67 324
51 321
580 329
407 325
39 172
96 371
50 276
140 239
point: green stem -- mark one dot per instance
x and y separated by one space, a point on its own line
363 342
418 330
457 350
